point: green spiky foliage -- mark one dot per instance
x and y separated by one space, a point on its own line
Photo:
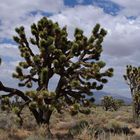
132 78
110 104
76 62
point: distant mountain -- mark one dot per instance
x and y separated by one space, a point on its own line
100 94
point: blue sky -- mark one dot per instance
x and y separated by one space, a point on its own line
107 5
121 18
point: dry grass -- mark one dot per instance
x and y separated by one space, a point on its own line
65 127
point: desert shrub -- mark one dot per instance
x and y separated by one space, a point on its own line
77 129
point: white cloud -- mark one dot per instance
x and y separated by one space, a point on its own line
131 8
14 13
6 70
18 8
123 38
9 50
123 34
84 17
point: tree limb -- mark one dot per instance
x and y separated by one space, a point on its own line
13 91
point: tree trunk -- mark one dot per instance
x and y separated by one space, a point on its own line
36 115
42 117
47 116
46 119
135 114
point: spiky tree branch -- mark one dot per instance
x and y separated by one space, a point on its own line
132 78
76 63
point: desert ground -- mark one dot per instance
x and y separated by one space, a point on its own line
98 125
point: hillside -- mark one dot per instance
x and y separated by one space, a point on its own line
99 95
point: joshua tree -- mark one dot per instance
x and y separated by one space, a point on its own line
106 102
132 78
109 103
76 63
137 103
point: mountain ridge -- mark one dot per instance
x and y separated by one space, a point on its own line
98 95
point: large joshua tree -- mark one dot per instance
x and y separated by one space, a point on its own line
76 63
132 78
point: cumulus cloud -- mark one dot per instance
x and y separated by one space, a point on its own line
130 8
123 34
123 37
9 50
14 13
84 17
6 70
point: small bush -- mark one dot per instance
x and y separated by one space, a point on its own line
77 129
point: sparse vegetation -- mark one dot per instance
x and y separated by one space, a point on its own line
99 123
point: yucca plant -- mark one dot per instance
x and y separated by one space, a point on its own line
109 103
75 62
132 78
